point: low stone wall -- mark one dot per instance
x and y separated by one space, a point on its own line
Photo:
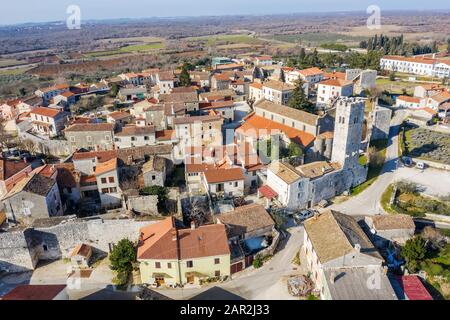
437 217
433 164
270 250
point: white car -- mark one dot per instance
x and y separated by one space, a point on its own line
420 165
303 215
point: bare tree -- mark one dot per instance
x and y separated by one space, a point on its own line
198 212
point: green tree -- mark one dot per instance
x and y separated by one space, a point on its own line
294 150
448 45
122 257
414 251
298 99
114 90
185 79
392 76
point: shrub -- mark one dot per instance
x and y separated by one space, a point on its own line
122 256
413 251
257 262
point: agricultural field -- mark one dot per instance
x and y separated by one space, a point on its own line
226 39
319 38
394 30
10 62
426 144
136 48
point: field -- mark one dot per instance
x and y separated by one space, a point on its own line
137 48
318 38
391 30
426 144
226 39
10 62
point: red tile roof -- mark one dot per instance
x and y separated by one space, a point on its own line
101 156
77 127
255 126
9 168
336 82
267 192
47 112
223 175
162 240
409 99
413 287
34 292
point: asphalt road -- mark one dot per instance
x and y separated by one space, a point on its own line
368 201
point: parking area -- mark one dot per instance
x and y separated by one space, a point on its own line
435 182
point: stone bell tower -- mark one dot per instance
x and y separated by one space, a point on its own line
348 132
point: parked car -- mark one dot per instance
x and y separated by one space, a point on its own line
420 165
303 215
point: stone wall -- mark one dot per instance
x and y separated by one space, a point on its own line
381 123
47 146
20 250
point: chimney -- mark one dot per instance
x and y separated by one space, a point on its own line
358 247
192 225
332 276
174 235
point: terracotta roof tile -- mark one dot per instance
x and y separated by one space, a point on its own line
47 112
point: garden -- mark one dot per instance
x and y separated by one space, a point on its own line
405 197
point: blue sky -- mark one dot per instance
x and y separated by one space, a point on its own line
19 11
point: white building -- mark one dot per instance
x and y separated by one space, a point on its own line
310 75
331 89
430 67
408 102
48 93
48 121
135 136
277 91
227 182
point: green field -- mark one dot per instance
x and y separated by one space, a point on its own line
317 38
137 48
226 39
17 71
10 62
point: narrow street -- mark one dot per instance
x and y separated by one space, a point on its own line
263 283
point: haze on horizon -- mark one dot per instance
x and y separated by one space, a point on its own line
22 11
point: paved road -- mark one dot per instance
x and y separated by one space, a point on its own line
368 202
264 283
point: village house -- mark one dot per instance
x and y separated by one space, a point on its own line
119 119
48 121
255 92
408 102
34 196
48 93
224 108
221 95
11 172
329 90
262 61
220 81
390 228
339 256
135 136
165 80
277 92
436 101
154 172
131 92
428 90
90 136
169 255
227 182
246 222
310 75
197 131
65 100
9 109
200 79
188 99
99 178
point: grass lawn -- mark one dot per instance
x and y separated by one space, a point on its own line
386 198
374 170
437 267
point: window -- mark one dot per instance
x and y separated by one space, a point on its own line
111 179
158 265
217 261
44 246
72 139
153 177
146 138
133 139
217 273
236 184
105 190
169 265
190 264
88 138
103 180
113 190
